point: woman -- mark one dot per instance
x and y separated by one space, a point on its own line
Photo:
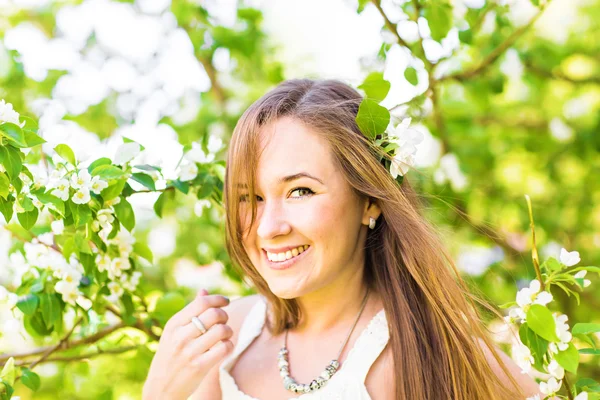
353 283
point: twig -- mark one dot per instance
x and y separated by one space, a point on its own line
71 344
78 357
389 24
497 52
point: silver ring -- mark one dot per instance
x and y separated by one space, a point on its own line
196 321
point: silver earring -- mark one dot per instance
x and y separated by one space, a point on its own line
372 222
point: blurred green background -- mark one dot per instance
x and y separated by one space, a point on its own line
507 94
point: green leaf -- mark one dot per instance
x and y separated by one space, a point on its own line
48 198
13 133
108 172
375 86
8 371
411 76
66 153
50 306
143 250
6 207
540 320
207 186
124 212
28 218
508 305
551 264
33 139
168 305
113 190
361 5
595 352
183 187
372 119
466 36
99 162
162 200
11 160
568 359
4 182
536 344
439 18
30 379
82 214
588 384
144 179
146 167
585 328
28 304
587 338
82 244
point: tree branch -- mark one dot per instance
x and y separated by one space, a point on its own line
79 357
64 343
558 75
495 54
389 24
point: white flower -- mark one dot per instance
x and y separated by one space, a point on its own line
124 241
522 356
126 152
3 294
104 220
82 196
562 328
581 396
97 185
532 295
36 202
131 282
550 387
117 266
68 290
58 226
7 114
404 156
62 190
81 180
515 314
103 262
569 258
187 171
115 289
555 369
581 275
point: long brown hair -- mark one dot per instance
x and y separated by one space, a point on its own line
433 321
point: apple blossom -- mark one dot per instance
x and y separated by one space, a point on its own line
569 258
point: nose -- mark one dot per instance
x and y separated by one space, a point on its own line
272 220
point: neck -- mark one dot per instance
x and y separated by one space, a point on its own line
333 307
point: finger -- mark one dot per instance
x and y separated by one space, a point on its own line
209 317
215 355
197 307
214 335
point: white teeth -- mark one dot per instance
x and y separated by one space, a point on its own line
277 257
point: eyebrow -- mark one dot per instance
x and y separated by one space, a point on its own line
290 178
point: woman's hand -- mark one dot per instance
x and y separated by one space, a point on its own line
184 354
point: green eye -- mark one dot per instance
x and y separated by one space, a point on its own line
307 190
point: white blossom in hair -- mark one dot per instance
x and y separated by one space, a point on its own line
403 140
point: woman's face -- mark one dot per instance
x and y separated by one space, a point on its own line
307 214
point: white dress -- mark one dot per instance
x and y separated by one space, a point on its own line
348 383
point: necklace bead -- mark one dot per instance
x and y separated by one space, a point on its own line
290 383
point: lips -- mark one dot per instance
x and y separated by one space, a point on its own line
281 265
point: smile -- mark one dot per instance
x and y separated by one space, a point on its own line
288 258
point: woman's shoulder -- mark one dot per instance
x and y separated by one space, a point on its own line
237 311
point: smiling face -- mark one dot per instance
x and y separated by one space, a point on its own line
307 215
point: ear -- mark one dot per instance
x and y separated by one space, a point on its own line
371 210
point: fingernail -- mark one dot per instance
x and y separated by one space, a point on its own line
228 300
202 292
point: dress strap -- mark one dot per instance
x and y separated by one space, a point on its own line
367 347
251 327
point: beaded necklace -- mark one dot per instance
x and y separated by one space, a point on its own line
284 365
